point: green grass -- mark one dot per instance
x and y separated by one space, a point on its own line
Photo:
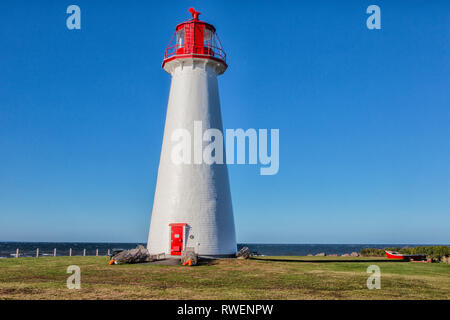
262 278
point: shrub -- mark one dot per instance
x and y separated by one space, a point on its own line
372 252
434 252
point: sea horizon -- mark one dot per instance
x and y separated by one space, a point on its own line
246 242
79 248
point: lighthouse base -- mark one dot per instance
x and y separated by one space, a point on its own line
220 256
209 256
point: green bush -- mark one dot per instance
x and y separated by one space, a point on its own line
372 252
434 252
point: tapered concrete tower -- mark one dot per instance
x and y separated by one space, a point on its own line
192 203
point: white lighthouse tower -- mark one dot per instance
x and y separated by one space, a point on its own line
192 204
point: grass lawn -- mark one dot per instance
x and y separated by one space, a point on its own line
261 278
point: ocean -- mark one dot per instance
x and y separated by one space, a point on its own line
28 249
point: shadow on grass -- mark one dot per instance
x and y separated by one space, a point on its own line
325 260
177 262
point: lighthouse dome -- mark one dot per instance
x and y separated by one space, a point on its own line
195 39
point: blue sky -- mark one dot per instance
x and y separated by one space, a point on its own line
364 118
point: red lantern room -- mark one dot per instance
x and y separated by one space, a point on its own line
195 39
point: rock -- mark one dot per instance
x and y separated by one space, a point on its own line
345 255
138 255
333 255
310 255
322 254
189 254
354 254
446 259
160 256
244 253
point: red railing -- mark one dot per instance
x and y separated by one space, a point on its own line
207 50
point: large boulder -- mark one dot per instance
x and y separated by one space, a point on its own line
244 253
187 255
138 255
322 254
354 254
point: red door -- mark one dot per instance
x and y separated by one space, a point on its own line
176 240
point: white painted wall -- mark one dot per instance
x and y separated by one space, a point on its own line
198 195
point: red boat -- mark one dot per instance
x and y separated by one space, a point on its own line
406 257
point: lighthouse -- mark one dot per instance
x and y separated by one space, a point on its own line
192 204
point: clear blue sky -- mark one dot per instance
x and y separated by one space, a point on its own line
364 118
